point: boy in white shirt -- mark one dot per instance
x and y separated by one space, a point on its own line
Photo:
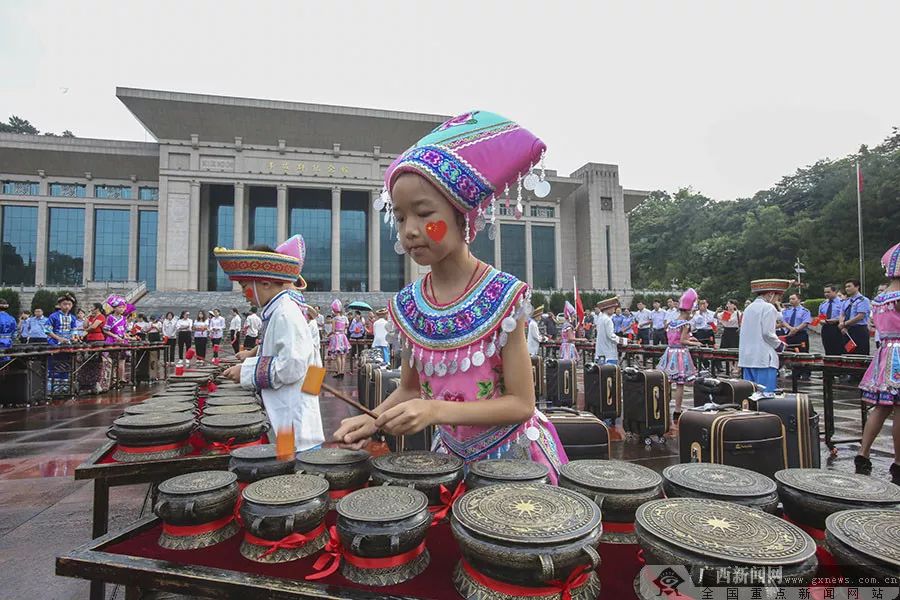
379 335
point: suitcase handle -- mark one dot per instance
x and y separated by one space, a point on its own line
631 373
560 409
566 375
716 407
609 395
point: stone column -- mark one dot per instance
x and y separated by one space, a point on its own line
498 263
335 239
282 219
529 259
133 240
194 237
43 233
88 251
557 241
240 240
375 218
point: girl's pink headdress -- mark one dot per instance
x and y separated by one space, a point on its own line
688 300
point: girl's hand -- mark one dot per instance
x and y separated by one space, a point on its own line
354 432
233 373
407 417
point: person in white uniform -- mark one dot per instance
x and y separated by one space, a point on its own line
312 321
534 332
279 369
606 349
759 345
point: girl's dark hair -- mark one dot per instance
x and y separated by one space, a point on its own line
733 301
185 313
262 248
170 313
201 312
98 306
235 311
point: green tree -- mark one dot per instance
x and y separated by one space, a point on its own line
15 304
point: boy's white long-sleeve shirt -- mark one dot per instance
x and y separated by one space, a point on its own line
279 369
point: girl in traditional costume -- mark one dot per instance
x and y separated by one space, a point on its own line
338 343
676 360
116 329
567 350
465 367
881 384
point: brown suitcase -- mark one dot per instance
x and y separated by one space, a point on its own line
801 426
537 373
709 390
726 435
379 387
603 390
562 386
582 434
645 403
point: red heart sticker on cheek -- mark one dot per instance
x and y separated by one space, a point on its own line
436 230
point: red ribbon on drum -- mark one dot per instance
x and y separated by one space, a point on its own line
147 449
822 553
290 542
338 494
564 588
227 447
439 512
189 530
331 556
610 527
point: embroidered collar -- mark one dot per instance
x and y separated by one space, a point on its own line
886 298
678 323
269 308
468 320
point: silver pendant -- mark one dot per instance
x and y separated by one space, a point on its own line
429 369
508 325
492 232
479 222
419 365
504 337
441 369
530 181
464 365
532 433
542 189
379 203
398 248
453 367
490 350
412 360
478 358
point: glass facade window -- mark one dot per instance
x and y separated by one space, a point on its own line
146 265
148 193
546 212
21 188
392 275
263 217
543 257
65 247
354 241
483 247
19 250
221 233
111 244
67 190
113 192
310 216
512 250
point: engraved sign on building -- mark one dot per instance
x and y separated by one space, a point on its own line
308 168
217 163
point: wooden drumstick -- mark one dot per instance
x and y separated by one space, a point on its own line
314 383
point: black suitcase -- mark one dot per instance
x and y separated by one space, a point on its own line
24 383
645 402
561 388
537 373
362 383
801 426
603 390
380 386
710 390
400 443
726 435
582 434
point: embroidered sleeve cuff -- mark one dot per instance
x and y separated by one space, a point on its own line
248 373
262 376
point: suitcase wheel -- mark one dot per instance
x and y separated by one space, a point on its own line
647 442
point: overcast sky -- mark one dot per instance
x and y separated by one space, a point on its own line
723 96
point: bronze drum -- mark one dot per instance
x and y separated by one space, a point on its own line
203 499
380 523
721 482
865 541
286 508
252 463
810 495
703 534
159 407
152 436
424 471
345 470
233 429
528 535
618 488
229 400
233 409
502 470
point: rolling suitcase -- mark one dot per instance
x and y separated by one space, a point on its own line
645 403
709 390
603 390
362 383
400 443
537 373
561 389
726 435
380 386
801 426
582 434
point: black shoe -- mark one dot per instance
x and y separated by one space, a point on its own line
895 474
864 465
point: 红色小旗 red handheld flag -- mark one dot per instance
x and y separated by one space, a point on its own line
579 307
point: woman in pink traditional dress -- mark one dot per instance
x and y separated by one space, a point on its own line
881 384
116 330
338 343
567 350
676 361
466 368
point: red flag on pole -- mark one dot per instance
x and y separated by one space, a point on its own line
579 307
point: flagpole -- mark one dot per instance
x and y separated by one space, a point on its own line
862 271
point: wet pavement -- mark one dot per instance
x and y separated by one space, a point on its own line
44 512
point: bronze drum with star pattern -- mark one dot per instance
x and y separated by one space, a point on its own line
865 541
505 470
702 534
197 509
810 495
285 508
424 471
527 535
721 482
382 530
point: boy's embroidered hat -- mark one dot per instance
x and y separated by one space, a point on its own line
762 286
473 159
537 312
296 247
688 299
891 261
608 303
252 265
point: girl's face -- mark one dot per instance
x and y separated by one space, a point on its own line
417 204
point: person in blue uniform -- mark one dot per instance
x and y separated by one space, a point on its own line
854 319
34 331
658 320
642 316
61 329
830 314
626 321
8 327
797 318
